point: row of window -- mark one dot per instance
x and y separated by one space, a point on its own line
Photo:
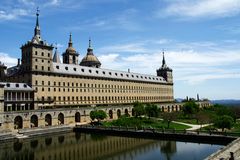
97 86
111 73
36 67
36 53
36 60
104 90
106 98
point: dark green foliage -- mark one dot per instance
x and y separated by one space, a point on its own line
169 117
98 114
139 109
223 110
152 110
190 108
223 122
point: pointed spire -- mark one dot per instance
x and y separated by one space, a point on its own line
89 50
163 60
37 27
56 57
89 43
70 40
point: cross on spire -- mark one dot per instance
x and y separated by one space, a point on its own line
89 43
70 40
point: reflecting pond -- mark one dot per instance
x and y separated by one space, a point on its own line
80 146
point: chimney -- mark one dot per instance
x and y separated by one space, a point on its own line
18 64
198 97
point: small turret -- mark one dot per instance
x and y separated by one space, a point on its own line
70 56
56 57
164 71
2 71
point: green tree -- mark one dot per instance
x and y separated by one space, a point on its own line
93 115
223 110
169 117
139 109
98 114
152 110
223 122
190 107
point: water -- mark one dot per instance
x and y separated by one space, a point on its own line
79 146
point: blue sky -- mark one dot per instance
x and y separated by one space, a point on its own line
200 37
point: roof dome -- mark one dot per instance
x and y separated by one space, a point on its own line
90 59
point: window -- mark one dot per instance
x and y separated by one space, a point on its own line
110 73
97 72
57 67
75 69
36 82
17 85
42 54
82 70
48 54
49 83
36 67
90 71
42 82
42 67
36 60
103 72
66 68
35 52
42 61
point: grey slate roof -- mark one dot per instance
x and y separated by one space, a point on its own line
104 73
16 86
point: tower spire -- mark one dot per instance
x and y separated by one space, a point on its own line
163 60
89 43
37 27
70 40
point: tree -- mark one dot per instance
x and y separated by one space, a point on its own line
98 114
169 117
152 110
139 109
223 122
190 107
223 110
93 115
202 118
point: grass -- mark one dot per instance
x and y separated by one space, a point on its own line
144 122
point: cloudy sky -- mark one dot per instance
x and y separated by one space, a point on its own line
201 38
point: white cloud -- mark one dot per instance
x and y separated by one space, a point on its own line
121 48
124 20
7 60
202 8
13 14
192 66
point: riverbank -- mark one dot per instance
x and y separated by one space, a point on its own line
183 135
34 132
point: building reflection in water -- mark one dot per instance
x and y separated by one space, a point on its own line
75 146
